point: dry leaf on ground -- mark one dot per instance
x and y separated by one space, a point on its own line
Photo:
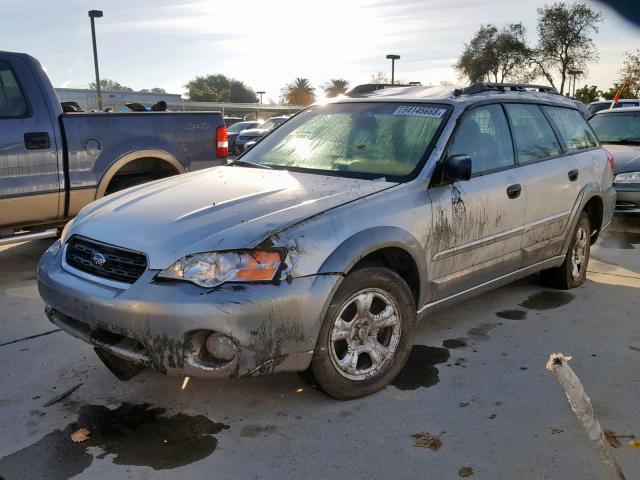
80 435
612 438
426 440
465 472
634 444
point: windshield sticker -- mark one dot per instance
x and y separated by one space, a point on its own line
416 111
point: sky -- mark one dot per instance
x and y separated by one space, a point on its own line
266 44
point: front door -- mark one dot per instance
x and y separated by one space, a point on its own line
29 173
478 224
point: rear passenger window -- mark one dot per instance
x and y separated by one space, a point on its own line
532 133
12 102
483 134
572 128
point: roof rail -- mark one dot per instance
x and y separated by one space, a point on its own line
372 87
503 87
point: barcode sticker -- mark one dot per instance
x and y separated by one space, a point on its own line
417 111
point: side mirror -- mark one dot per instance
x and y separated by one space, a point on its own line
457 168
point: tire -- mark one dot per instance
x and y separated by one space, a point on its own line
365 358
573 271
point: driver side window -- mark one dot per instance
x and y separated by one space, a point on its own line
483 134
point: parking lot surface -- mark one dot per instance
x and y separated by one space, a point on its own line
476 381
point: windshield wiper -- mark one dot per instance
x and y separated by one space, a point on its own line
245 163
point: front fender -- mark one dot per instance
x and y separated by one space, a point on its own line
358 246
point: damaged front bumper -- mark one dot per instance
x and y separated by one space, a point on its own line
165 325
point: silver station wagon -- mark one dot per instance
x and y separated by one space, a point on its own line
321 247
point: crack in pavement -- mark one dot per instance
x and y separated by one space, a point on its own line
30 337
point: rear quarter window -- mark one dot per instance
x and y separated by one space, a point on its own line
573 130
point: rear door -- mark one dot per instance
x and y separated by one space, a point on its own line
477 224
550 179
29 181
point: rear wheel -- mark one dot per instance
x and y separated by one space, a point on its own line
573 271
367 334
127 181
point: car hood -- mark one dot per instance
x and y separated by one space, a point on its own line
221 208
627 157
253 132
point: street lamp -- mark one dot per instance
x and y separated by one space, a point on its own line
574 73
260 104
92 15
393 59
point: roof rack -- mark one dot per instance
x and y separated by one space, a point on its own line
503 87
372 87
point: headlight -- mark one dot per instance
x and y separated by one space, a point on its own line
65 230
214 268
629 177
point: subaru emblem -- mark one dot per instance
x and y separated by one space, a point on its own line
98 259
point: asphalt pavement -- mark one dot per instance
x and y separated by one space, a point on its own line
474 401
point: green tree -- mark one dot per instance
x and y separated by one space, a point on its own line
219 88
625 91
335 87
110 85
565 40
494 55
588 94
630 73
299 92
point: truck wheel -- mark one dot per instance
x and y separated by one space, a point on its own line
573 271
367 334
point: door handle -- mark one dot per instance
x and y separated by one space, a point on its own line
37 140
573 174
513 191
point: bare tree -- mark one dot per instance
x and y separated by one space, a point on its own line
495 55
565 40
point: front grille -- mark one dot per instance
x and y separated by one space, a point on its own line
105 261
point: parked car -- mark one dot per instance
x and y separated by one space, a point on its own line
619 132
229 121
322 245
255 134
595 107
235 129
53 163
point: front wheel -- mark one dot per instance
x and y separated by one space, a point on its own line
367 334
573 271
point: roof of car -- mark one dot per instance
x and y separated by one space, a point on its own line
621 100
610 111
456 95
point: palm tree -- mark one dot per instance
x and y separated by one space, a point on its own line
335 87
299 92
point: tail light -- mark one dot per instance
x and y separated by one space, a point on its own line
222 142
612 161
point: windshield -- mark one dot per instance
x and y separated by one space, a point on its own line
358 139
617 127
238 127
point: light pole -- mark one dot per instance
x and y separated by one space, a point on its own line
393 59
574 73
260 104
93 14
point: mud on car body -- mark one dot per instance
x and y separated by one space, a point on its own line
322 246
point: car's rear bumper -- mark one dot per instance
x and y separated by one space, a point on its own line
165 324
628 198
